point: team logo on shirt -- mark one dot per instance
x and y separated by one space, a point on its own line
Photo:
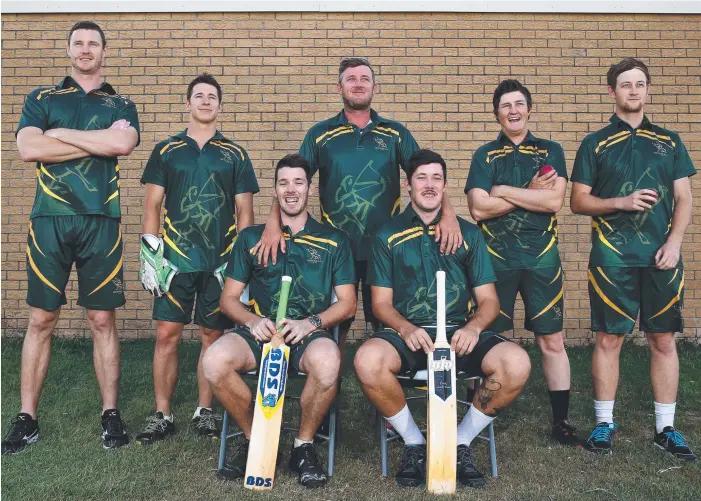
108 102
314 256
380 144
226 156
660 149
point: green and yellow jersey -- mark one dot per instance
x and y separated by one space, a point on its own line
318 258
87 185
199 227
521 239
618 160
406 258
359 180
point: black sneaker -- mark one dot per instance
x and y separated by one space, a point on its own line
412 466
601 438
565 433
205 425
235 467
114 432
157 428
303 460
669 440
23 432
468 474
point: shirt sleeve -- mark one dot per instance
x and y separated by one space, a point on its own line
33 113
128 113
240 265
245 178
479 265
343 264
380 267
480 175
585 168
556 158
155 171
683 166
407 145
309 151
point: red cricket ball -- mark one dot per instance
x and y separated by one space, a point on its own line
545 169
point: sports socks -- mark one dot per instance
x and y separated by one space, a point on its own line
299 442
404 424
664 416
603 409
198 410
471 425
560 402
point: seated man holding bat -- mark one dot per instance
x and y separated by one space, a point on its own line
319 261
403 278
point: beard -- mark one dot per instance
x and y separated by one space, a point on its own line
96 65
630 108
358 104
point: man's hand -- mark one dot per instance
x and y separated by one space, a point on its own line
464 341
417 339
638 201
295 330
262 329
667 256
268 244
448 232
120 124
544 182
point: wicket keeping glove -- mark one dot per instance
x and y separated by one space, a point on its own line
219 273
155 271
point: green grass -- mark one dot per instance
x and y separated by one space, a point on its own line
69 463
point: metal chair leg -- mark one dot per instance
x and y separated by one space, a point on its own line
492 451
222 446
332 438
383 444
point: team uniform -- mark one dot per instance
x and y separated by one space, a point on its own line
359 179
318 258
623 280
199 228
522 243
406 258
76 213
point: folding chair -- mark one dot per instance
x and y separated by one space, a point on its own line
421 379
252 376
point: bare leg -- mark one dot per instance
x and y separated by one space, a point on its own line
105 355
36 353
605 368
556 365
506 367
165 363
664 367
208 337
377 364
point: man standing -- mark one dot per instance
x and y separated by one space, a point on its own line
319 260
74 131
208 185
402 273
516 185
632 178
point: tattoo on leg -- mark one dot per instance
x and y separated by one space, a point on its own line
486 393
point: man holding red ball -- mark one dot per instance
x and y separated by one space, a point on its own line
516 185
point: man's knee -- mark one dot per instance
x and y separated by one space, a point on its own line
510 362
609 342
222 359
42 322
551 344
208 336
168 333
322 360
101 321
662 344
371 360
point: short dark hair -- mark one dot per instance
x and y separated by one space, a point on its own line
87 25
354 62
424 157
294 160
627 64
204 78
507 86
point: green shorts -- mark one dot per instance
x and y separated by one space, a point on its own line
617 294
541 291
413 361
296 350
93 243
176 305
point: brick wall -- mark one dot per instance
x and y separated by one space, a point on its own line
436 73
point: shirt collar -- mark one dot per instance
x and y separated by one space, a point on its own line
413 217
616 121
311 226
504 139
70 82
341 119
218 136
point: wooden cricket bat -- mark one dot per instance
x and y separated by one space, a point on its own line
270 397
441 453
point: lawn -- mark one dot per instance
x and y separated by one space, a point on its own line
69 463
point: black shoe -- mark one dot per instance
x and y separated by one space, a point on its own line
23 432
205 425
601 438
157 428
565 433
303 460
669 440
412 466
114 432
235 467
468 474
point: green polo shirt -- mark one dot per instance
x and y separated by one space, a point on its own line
359 180
618 160
199 228
406 258
521 239
87 185
318 258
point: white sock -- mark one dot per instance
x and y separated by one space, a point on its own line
198 410
299 442
170 418
664 416
404 424
472 425
603 409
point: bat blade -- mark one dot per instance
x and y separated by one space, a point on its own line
267 412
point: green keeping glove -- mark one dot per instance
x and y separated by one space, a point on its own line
155 271
219 273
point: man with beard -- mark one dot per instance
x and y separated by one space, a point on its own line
632 178
208 184
319 260
402 274
74 132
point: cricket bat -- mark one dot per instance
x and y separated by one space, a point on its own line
270 397
441 453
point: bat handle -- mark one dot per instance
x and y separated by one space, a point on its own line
440 307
